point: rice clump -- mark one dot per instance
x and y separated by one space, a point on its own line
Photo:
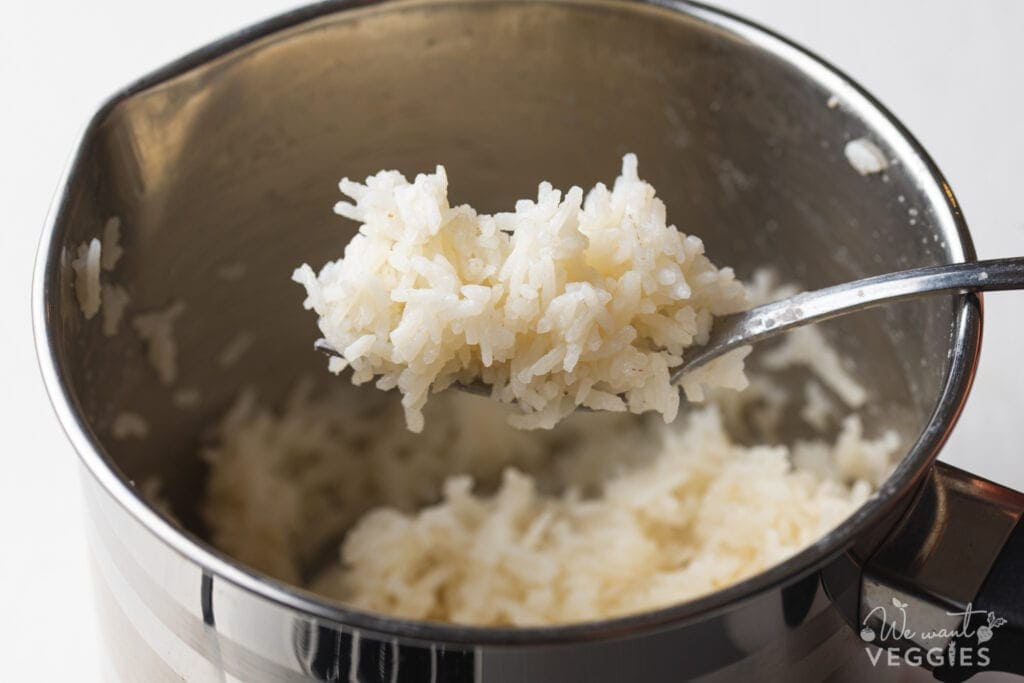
156 330
93 257
564 302
87 277
865 156
475 522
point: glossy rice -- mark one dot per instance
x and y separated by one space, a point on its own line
567 301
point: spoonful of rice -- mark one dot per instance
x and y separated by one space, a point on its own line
566 303
736 330
763 322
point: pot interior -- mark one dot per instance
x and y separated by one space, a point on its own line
230 164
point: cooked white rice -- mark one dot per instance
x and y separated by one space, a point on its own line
87 277
818 410
764 287
703 514
94 256
606 514
156 329
283 484
865 156
128 425
115 301
564 302
806 346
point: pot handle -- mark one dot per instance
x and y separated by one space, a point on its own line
1002 594
945 589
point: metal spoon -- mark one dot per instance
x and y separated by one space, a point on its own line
748 327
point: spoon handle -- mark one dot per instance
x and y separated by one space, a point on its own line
739 329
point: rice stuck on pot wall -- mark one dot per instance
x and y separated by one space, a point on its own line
564 302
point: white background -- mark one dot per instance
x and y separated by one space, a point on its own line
952 71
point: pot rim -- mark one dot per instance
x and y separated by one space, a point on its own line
965 346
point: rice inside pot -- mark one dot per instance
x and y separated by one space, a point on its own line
475 522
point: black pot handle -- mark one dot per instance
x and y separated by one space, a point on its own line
945 589
1002 597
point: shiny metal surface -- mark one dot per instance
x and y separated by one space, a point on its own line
231 156
770 320
940 553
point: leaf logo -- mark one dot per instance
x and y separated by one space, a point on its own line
985 632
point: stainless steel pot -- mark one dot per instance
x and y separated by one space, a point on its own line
231 155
